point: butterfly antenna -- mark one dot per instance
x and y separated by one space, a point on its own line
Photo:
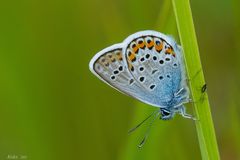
134 128
147 132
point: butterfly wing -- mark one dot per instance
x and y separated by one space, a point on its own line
109 65
154 60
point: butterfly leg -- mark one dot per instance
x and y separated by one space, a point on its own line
189 100
185 99
182 111
180 92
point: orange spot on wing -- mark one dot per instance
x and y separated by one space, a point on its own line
141 45
130 67
135 49
159 47
132 56
149 45
119 56
169 51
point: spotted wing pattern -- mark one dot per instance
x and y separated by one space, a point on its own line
155 64
109 66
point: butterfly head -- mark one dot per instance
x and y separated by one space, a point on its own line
166 114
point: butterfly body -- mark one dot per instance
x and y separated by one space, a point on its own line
148 66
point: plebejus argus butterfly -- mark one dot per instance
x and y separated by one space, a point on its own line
148 66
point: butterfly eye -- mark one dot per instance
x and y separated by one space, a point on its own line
165 112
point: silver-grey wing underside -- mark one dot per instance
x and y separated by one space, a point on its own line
156 63
109 65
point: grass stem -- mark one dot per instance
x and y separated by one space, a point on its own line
205 128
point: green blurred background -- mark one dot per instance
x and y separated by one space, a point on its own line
53 108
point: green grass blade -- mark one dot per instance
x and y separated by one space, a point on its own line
204 125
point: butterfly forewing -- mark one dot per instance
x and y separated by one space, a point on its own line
109 65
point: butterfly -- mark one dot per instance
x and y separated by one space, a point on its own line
147 65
